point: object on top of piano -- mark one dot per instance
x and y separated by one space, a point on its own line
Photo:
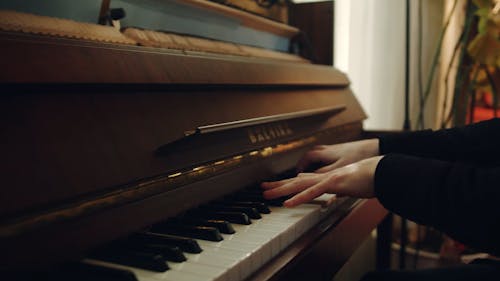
34 24
275 10
189 43
12 21
247 17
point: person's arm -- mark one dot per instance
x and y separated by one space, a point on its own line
476 144
460 200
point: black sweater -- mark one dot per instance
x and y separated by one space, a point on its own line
448 179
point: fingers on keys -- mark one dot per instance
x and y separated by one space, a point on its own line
306 195
312 156
330 167
273 184
289 186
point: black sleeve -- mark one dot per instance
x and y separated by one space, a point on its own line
460 200
477 144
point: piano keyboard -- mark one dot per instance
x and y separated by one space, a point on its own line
236 249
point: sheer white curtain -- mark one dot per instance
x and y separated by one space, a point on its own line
370 48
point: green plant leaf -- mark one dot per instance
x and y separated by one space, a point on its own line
483 3
482 26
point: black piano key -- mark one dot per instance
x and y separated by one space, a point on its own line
188 245
91 272
252 213
287 175
252 190
144 260
198 232
274 202
257 192
277 202
169 252
250 193
222 225
262 207
233 217
246 197
282 176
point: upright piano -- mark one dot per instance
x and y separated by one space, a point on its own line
127 162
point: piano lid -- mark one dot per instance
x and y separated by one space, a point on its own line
76 61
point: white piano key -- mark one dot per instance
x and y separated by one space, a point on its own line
259 247
231 244
240 254
249 260
211 272
173 275
265 236
273 245
146 275
210 258
245 261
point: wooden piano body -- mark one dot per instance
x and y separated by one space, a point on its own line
100 140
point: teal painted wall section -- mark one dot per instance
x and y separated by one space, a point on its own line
86 10
176 17
167 15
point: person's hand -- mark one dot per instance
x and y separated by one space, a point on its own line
354 180
338 155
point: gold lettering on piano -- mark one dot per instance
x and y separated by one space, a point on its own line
269 132
281 131
253 138
265 133
260 137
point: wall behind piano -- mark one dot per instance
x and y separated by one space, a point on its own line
156 15
86 11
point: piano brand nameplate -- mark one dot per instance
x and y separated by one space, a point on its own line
252 133
267 133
